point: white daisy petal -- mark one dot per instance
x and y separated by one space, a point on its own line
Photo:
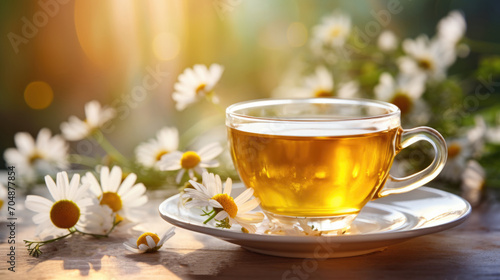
38 204
199 187
249 205
151 242
115 177
143 247
179 176
244 196
221 215
51 185
191 173
166 236
62 180
41 218
196 203
198 169
127 184
209 163
210 151
228 187
130 248
214 203
105 178
73 185
94 185
24 142
137 201
135 192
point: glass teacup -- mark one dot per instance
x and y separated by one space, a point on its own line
322 160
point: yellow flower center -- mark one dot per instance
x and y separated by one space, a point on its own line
64 214
190 159
113 200
142 238
454 150
200 89
34 157
322 93
425 64
403 101
118 218
1 203
160 154
227 203
335 32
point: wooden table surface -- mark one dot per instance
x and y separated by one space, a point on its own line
469 251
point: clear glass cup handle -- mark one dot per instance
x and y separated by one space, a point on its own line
408 183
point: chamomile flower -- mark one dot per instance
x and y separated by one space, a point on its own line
404 92
191 161
196 83
321 84
150 153
462 149
229 210
99 219
458 153
425 56
303 229
201 194
473 180
95 117
70 201
123 197
333 30
148 242
387 41
451 28
45 154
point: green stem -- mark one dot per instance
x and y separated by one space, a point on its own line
83 160
211 217
51 240
482 46
109 148
36 250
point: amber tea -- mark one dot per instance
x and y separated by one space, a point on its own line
321 160
311 176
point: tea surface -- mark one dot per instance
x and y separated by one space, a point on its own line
313 176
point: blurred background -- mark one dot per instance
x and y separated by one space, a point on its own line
58 55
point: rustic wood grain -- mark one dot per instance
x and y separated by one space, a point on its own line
469 251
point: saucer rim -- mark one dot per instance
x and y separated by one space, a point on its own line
366 237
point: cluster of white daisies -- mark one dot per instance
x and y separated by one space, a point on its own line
226 210
416 65
424 60
97 207
86 205
48 154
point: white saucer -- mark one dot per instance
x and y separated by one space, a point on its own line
383 222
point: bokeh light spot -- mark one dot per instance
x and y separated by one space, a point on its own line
38 95
296 34
166 46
